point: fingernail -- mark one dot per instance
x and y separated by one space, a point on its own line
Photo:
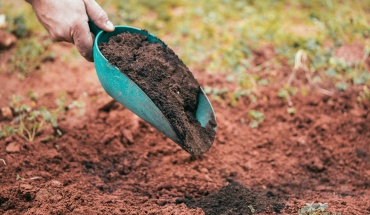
110 25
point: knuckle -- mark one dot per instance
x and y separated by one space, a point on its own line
74 27
76 31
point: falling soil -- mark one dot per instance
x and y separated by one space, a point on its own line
167 81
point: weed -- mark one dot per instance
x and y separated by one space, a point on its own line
28 56
28 121
217 93
17 25
7 130
286 92
364 95
315 209
239 93
291 110
33 96
256 118
341 86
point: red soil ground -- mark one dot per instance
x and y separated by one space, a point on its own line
108 161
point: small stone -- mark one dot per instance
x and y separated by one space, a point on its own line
128 135
221 139
209 179
204 170
48 195
7 40
13 147
6 113
26 186
56 183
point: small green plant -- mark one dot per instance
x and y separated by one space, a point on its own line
251 208
63 105
28 121
286 92
291 110
239 93
256 118
31 121
364 95
217 93
7 130
341 86
315 209
28 56
33 96
17 25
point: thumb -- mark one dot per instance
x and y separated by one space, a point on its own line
98 15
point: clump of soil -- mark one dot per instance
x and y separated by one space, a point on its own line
236 199
158 71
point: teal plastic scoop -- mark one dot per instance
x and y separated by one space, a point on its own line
126 92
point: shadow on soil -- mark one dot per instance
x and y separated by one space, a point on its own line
236 199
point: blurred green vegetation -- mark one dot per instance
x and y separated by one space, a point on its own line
224 32
33 42
221 36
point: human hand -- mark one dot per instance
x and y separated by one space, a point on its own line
67 20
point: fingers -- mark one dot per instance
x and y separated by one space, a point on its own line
98 15
83 39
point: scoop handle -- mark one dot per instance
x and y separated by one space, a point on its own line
93 28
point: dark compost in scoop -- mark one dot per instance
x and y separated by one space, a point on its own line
159 72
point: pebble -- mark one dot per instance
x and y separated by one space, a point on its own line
128 135
48 195
6 39
13 147
56 183
204 170
209 179
6 113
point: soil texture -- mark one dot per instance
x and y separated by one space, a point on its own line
108 161
158 71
